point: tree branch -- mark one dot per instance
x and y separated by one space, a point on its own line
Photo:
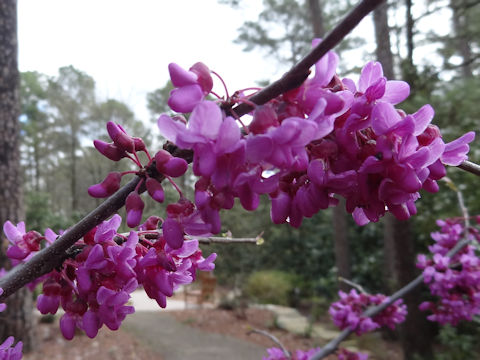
470 167
297 75
374 310
53 256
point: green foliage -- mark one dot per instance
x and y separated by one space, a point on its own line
40 214
269 287
457 343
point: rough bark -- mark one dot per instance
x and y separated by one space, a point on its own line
17 320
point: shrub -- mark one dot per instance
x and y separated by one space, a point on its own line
269 287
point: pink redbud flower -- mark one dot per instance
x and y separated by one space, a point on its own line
155 190
9 353
109 150
347 312
169 165
190 86
121 139
134 206
107 187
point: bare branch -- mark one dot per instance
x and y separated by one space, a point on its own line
296 75
470 167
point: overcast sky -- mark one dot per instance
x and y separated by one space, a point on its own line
126 45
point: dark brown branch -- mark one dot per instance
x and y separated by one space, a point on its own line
53 256
470 167
297 75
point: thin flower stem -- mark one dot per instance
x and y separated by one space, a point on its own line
223 82
297 75
272 337
470 167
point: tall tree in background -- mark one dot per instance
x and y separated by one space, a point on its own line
34 121
72 95
17 320
415 333
466 31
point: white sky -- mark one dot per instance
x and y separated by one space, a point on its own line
126 45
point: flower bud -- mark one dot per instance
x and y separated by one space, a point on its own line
134 206
173 233
161 157
204 78
110 151
107 187
155 190
139 144
175 167
120 138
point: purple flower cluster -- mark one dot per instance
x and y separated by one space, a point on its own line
347 312
126 146
343 354
454 280
7 352
94 286
327 137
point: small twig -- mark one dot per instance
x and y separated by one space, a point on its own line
297 75
274 339
155 234
470 167
224 240
353 285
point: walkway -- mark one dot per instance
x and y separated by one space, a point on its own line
176 341
161 332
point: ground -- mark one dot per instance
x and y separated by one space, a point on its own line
128 343
108 345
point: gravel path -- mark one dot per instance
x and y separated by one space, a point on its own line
177 341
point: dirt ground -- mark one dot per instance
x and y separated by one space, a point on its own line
122 345
108 345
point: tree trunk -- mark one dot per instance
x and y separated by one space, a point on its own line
17 320
342 245
315 7
460 27
415 333
382 38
